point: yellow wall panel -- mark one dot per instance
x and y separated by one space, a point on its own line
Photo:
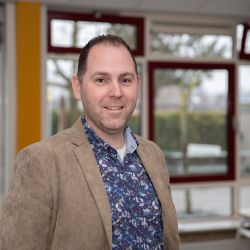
28 51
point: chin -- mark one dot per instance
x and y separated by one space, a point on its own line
114 126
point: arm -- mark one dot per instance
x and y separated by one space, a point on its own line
25 219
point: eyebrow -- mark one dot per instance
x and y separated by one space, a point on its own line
108 74
127 74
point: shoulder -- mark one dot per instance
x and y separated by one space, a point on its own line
150 148
48 151
59 143
150 151
50 144
148 144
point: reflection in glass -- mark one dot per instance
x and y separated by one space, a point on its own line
244 119
77 34
190 117
187 45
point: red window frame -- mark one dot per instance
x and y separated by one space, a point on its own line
243 54
135 21
230 175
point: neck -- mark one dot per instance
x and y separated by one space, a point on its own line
115 139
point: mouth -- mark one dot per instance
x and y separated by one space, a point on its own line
114 108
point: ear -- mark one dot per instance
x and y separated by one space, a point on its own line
76 86
139 80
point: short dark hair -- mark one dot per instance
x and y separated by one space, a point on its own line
103 39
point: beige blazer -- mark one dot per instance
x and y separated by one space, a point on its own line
57 199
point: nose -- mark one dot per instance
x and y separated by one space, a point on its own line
115 89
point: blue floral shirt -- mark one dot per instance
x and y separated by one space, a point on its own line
136 210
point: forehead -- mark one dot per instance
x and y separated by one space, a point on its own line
108 56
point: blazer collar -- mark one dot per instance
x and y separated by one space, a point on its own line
90 169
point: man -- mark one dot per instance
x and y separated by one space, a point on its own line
95 185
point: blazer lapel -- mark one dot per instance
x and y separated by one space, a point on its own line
90 169
149 164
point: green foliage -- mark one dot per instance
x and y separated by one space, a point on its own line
209 128
167 130
70 119
134 124
54 122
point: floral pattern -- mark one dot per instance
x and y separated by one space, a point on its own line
136 210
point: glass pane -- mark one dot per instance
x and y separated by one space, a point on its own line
244 198
63 109
190 117
77 34
244 118
62 33
239 31
135 121
202 202
247 45
187 45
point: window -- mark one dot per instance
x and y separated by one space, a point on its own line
202 45
187 97
244 197
245 43
203 202
191 41
244 119
135 121
62 107
243 36
191 118
69 32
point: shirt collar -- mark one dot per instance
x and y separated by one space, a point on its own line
94 139
131 141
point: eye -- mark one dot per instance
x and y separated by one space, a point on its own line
126 81
100 80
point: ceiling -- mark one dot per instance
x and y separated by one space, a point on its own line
228 8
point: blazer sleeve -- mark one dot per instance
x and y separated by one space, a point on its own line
26 212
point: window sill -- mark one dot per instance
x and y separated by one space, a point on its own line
204 231
208 226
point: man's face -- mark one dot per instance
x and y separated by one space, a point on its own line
109 88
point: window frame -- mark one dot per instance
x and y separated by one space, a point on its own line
138 22
230 67
243 55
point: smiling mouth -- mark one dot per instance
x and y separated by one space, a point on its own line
114 107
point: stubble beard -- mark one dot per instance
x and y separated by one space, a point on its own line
110 126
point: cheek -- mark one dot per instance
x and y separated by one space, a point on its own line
132 95
91 97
